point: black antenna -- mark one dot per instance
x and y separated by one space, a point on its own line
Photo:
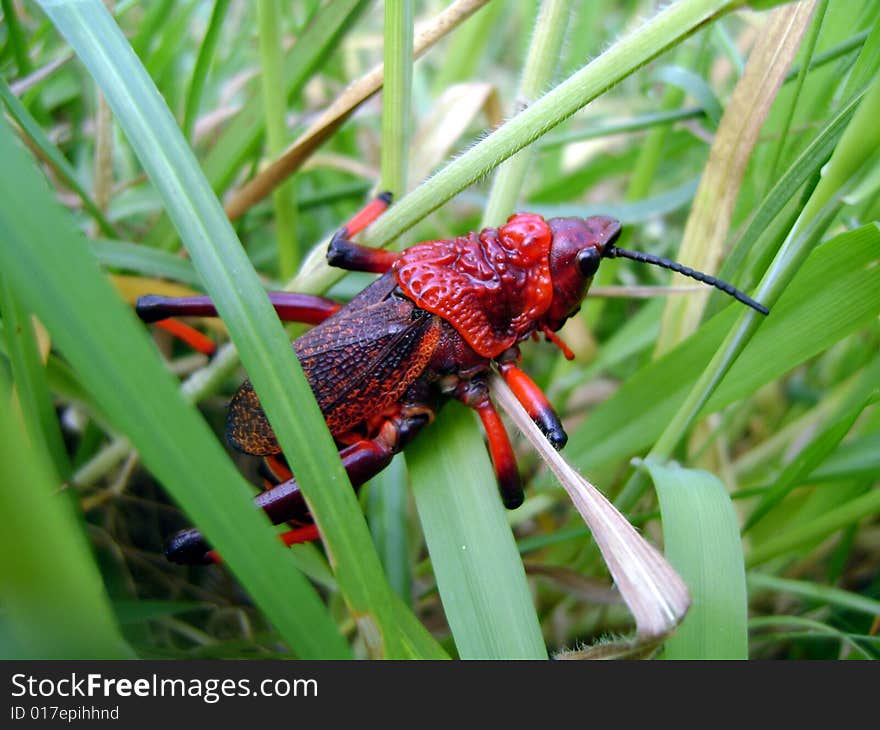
646 258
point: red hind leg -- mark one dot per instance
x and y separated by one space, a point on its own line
476 395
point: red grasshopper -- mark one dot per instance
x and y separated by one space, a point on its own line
427 330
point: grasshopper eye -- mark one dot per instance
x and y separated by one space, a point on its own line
588 261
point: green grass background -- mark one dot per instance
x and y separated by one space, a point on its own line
737 138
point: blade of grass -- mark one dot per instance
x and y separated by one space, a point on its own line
637 123
806 166
810 629
387 501
849 513
814 593
54 604
15 38
858 457
809 47
144 260
481 580
203 66
701 536
540 67
53 273
29 373
693 85
240 300
809 458
398 64
274 113
387 492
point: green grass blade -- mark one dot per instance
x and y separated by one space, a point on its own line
15 38
146 261
809 629
701 537
849 513
808 163
540 67
31 388
808 459
236 291
53 273
54 604
694 86
387 503
814 593
858 457
274 115
637 123
203 66
479 573
809 47
396 95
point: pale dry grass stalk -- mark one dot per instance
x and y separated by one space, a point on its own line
654 593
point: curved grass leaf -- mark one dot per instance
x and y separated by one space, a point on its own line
701 536
479 573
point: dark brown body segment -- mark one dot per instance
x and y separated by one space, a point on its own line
359 363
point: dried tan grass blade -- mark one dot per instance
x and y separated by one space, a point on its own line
652 590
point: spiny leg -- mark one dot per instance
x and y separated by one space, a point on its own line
475 394
535 402
285 502
344 253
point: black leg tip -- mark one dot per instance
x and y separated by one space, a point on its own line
512 500
335 253
386 196
150 308
557 437
188 547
